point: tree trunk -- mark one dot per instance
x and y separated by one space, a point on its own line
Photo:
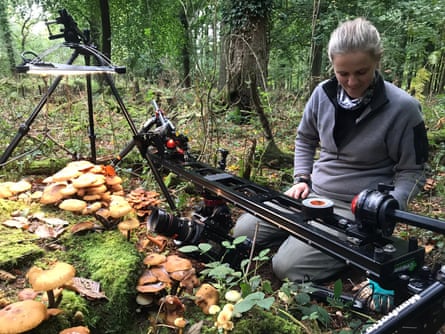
185 49
7 36
106 28
247 59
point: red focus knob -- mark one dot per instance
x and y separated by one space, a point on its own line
354 203
171 143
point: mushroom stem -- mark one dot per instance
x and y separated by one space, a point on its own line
128 235
51 299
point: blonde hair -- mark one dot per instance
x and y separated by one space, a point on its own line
355 35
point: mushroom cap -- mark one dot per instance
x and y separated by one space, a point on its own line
154 287
21 316
5 190
52 193
113 180
153 259
144 299
69 190
91 208
73 204
147 277
81 165
65 174
76 330
88 180
45 280
206 296
175 263
20 186
129 224
119 206
161 274
96 189
180 322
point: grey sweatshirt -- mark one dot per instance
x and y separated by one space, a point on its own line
387 145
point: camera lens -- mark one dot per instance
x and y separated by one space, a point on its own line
181 229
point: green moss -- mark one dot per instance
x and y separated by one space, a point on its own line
259 321
113 262
18 247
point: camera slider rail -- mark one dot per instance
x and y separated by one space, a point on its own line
420 302
394 263
288 214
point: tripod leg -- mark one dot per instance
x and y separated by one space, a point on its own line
121 104
91 132
24 128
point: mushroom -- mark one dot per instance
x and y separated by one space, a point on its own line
172 307
91 208
52 193
22 316
180 323
73 205
20 186
80 165
144 299
65 174
190 281
119 206
232 296
48 280
127 226
151 288
206 296
147 277
175 262
88 180
161 274
154 259
76 330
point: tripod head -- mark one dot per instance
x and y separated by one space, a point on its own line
70 31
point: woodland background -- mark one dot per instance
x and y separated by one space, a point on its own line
229 74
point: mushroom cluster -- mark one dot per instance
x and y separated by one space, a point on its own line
143 201
163 272
87 188
9 190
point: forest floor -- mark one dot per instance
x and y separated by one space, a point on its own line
234 136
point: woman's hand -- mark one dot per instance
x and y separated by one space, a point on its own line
298 190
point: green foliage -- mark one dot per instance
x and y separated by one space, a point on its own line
260 321
237 14
419 82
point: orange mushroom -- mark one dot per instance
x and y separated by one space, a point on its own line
206 296
49 280
173 308
22 316
127 226
76 330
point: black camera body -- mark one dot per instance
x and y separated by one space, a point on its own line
210 223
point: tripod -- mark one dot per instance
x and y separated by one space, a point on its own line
81 45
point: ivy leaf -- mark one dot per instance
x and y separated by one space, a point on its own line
188 249
266 303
